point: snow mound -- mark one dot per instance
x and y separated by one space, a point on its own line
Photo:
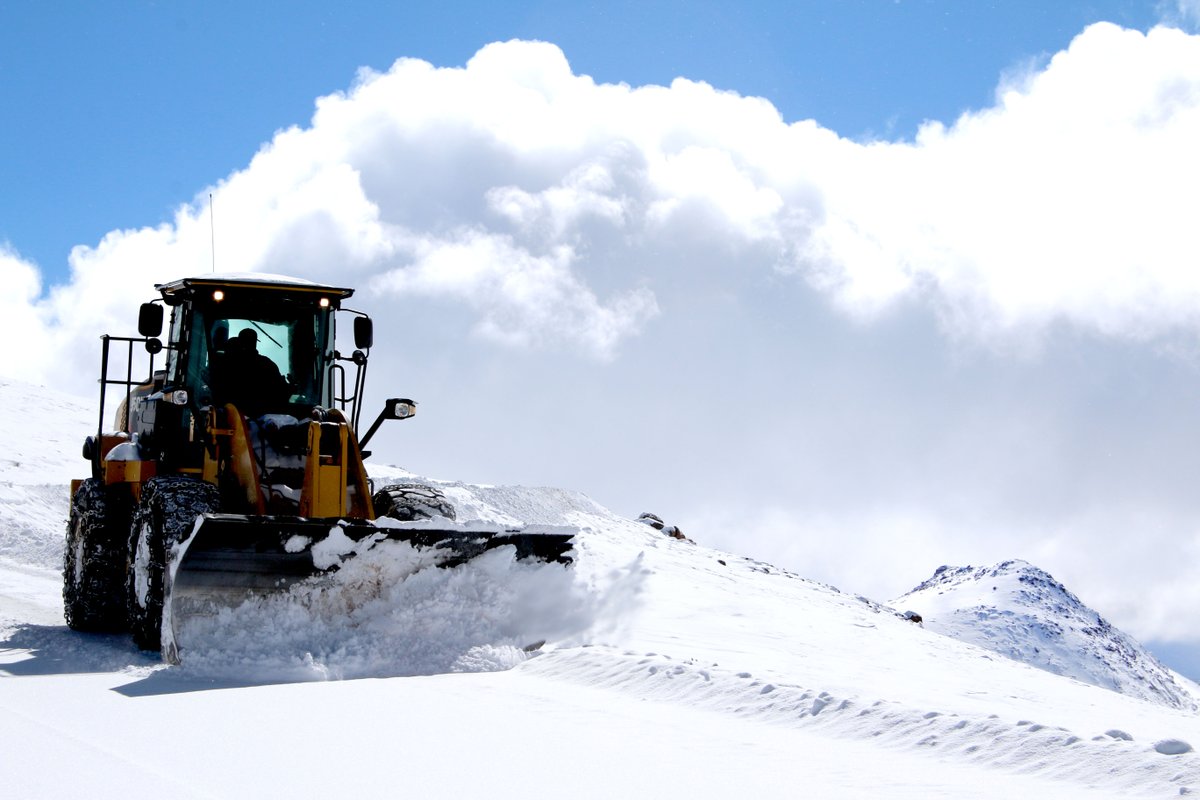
1019 611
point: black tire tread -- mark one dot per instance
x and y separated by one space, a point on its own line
94 559
412 501
165 517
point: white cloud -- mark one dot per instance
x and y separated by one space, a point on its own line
522 299
553 213
1068 201
22 322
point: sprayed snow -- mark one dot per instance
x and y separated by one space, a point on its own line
390 611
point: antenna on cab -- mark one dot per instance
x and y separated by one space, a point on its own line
212 233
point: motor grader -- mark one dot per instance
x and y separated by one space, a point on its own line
236 456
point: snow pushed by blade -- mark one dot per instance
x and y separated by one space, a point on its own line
391 611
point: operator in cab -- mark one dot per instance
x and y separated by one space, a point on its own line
250 380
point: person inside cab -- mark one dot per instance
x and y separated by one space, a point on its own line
250 380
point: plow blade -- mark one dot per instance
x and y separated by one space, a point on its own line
230 558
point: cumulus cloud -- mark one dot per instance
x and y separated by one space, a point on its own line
495 185
522 299
22 324
1068 201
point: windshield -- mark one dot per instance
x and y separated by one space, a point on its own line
290 344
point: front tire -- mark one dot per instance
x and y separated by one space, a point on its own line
411 501
164 518
94 562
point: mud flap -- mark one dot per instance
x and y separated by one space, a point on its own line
231 558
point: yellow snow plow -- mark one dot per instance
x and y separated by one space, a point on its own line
235 469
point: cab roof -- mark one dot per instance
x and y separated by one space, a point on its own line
184 289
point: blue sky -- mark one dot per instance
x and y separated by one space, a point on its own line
932 300
117 112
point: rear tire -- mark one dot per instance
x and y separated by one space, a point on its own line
412 501
94 562
164 518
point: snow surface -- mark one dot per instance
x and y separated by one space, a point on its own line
668 669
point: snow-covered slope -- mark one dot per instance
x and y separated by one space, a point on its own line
669 669
41 439
1019 611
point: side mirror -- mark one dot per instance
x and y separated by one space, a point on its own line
364 333
150 319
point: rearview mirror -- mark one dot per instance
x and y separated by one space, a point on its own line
150 319
364 333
